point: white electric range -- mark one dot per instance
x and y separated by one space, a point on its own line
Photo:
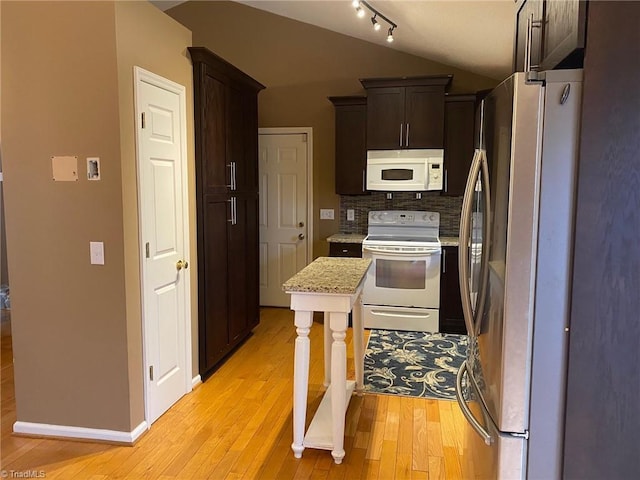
402 287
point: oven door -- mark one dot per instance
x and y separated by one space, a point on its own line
402 277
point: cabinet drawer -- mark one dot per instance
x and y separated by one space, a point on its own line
345 249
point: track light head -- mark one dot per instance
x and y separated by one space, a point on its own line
355 3
390 35
376 25
360 12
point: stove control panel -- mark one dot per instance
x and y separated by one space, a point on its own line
404 218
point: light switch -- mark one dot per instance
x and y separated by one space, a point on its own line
351 214
97 253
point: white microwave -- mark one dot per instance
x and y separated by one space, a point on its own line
405 170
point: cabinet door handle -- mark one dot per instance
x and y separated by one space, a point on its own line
446 183
528 45
401 134
406 143
233 214
232 176
444 261
364 181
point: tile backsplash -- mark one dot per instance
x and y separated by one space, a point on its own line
448 207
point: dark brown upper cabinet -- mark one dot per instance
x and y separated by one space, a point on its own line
405 112
351 148
459 131
549 34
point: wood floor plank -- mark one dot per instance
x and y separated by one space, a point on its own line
419 450
238 425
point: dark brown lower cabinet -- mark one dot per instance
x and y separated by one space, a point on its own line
230 273
451 316
339 249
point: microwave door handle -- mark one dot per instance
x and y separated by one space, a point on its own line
463 251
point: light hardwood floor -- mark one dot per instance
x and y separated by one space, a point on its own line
237 425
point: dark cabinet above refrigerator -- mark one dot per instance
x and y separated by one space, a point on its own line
550 34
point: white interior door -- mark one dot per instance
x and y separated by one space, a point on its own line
284 225
161 134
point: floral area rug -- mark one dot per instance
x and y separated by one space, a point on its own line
415 364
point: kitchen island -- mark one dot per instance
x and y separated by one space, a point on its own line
333 286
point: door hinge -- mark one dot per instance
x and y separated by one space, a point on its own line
151 373
146 249
143 122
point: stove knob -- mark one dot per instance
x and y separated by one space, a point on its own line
432 218
425 217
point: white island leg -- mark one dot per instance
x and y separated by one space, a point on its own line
303 321
338 383
327 350
358 344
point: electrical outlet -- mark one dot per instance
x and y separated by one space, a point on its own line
326 214
351 214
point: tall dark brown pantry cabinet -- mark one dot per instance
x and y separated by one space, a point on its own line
226 139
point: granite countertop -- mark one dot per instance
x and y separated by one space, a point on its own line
346 238
449 241
339 275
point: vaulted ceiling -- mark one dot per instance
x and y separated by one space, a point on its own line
474 35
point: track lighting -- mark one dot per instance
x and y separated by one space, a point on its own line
358 4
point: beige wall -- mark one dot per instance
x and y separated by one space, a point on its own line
67 90
68 317
301 65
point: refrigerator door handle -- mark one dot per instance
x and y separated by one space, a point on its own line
468 414
486 241
463 251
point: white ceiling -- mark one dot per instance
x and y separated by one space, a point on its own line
474 35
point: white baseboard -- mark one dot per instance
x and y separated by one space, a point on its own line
63 431
195 381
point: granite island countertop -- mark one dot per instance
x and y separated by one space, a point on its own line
346 238
340 275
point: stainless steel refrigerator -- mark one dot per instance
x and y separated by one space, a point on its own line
516 235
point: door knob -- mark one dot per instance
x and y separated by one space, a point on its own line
301 224
301 236
180 264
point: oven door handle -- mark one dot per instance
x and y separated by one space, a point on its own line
400 253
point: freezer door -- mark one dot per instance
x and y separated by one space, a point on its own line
512 134
487 453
